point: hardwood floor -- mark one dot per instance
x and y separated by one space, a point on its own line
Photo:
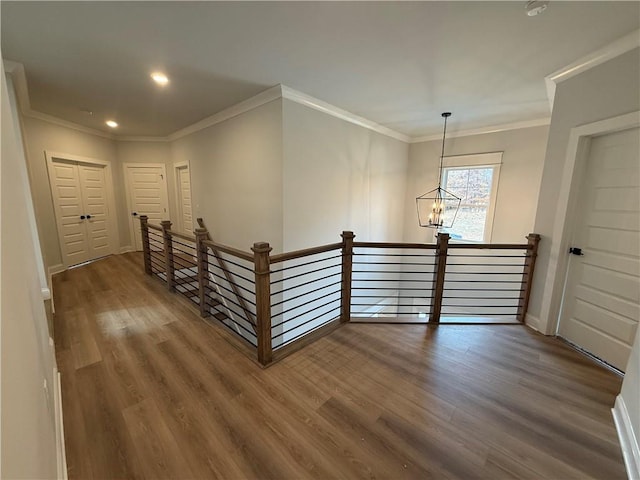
152 391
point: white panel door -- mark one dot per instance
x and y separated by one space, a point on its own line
601 306
80 199
184 199
70 214
94 192
147 195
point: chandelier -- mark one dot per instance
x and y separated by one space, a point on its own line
438 208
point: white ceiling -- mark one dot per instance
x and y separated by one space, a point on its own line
399 64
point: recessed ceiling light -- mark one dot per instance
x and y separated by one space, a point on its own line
160 78
111 123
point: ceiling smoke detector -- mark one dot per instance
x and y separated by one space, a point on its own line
536 7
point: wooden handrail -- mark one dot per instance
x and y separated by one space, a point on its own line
230 250
154 227
216 249
283 257
433 246
183 236
489 246
423 246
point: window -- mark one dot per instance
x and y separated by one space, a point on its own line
473 178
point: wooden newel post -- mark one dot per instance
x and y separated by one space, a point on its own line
438 277
146 251
169 266
347 271
527 274
202 259
263 301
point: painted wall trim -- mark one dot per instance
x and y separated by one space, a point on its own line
60 443
56 269
126 249
256 101
322 106
64 123
593 59
532 322
628 438
577 149
140 139
278 91
16 70
538 122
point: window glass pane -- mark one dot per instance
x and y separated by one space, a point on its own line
473 186
469 224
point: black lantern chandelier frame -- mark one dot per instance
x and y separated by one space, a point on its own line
438 208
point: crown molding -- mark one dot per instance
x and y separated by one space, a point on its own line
64 123
278 91
539 122
322 106
593 59
19 79
256 101
140 139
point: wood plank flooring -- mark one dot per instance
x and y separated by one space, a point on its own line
152 391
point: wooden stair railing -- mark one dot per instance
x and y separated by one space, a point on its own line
267 324
228 276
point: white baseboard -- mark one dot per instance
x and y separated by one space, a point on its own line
628 440
127 249
60 444
56 269
532 322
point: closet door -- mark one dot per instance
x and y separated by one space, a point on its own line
69 209
80 199
94 196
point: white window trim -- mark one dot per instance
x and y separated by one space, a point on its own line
493 160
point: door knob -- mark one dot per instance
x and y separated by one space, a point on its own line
88 216
82 217
576 251
135 214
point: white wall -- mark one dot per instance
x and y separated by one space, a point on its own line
28 432
339 176
518 186
236 176
139 152
608 90
629 416
41 136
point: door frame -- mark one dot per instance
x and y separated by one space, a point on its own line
565 221
127 192
178 192
114 236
